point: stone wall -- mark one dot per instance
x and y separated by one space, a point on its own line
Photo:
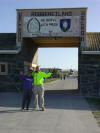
89 75
30 50
11 81
15 62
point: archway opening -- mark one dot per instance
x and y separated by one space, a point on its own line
65 62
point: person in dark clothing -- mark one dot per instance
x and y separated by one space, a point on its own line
64 77
28 80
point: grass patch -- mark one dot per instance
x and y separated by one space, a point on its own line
94 101
51 79
94 104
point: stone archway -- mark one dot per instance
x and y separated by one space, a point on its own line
38 28
60 27
51 28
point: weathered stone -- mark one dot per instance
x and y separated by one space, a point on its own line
90 75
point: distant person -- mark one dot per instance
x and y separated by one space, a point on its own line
61 77
64 77
28 80
38 89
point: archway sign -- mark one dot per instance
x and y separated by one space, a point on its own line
64 27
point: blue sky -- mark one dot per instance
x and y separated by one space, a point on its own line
60 57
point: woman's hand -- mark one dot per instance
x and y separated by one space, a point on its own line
21 73
51 70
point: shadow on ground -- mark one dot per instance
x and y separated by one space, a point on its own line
53 100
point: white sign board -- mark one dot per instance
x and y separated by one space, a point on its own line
51 26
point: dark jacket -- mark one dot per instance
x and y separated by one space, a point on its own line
28 81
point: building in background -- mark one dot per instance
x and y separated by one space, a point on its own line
63 27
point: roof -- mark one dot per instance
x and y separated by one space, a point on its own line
92 42
53 8
92 46
7 41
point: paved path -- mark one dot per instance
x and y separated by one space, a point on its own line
68 84
65 113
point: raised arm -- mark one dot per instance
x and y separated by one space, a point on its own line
45 75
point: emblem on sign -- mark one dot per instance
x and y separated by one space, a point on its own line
65 24
33 26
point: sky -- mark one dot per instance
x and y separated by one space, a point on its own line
64 58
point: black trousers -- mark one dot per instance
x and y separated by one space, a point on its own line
26 98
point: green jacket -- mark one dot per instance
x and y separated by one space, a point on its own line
38 77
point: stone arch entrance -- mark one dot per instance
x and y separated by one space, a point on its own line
50 28
38 28
63 27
